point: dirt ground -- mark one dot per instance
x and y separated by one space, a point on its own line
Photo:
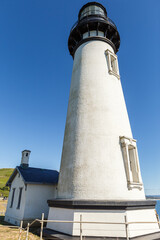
3 205
8 232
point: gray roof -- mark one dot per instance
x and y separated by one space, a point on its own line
35 175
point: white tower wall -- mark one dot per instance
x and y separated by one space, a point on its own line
92 164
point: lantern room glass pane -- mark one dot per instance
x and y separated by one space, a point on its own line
92 10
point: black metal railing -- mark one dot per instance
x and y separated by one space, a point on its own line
106 18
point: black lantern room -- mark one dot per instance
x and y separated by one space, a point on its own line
93 17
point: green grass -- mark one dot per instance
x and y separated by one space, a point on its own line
5 173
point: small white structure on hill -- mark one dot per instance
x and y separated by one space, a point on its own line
30 188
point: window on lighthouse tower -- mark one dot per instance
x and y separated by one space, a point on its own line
131 162
112 62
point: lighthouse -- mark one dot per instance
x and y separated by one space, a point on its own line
100 178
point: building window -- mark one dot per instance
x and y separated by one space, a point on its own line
93 9
12 199
112 64
131 162
19 198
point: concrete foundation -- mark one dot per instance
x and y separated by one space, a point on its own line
99 213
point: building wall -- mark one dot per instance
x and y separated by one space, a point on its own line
92 164
14 215
33 201
36 200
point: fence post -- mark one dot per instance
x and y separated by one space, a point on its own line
81 227
126 227
41 233
20 230
27 231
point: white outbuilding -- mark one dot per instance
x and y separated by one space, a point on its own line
30 188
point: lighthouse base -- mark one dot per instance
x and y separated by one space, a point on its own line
104 218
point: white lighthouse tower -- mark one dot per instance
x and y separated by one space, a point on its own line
100 175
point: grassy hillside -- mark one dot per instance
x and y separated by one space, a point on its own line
4 176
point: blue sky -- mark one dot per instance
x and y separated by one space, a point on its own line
35 74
